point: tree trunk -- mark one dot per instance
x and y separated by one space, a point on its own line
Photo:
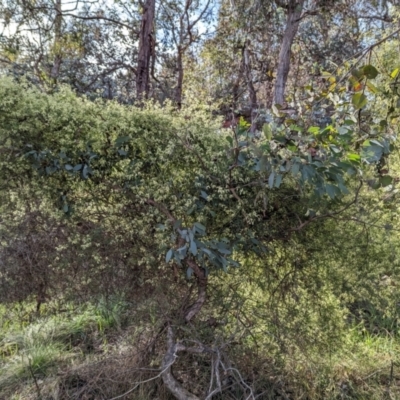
145 49
294 10
55 70
169 380
179 84
250 86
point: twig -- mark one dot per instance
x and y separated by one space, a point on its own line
145 381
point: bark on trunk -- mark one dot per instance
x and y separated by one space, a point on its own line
250 86
55 70
294 10
195 308
169 380
145 50
179 85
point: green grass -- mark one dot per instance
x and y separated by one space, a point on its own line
85 341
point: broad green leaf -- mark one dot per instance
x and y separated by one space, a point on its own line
372 153
370 71
193 248
121 140
359 100
353 157
200 228
229 139
168 256
267 131
296 128
331 190
357 73
386 180
313 129
376 142
271 179
295 168
374 183
85 172
276 111
394 73
372 88
278 180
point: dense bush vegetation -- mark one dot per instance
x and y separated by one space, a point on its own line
196 214
116 221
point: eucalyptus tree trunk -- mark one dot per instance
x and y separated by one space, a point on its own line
146 43
179 84
55 70
250 86
294 10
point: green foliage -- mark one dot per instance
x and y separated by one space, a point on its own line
177 168
112 202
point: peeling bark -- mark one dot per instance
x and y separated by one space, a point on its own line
294 11
145 50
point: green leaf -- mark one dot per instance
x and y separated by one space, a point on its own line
229 139
372 87
85 172
121 140
267 131
376 142
201 229
168 256
359 100
331 190
394 73
271 179
313 129
372 153
370 71
263 163
275 111
353 157
68 167
373 183
204 194
296 128
278 180
193 248
386 180
295 168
